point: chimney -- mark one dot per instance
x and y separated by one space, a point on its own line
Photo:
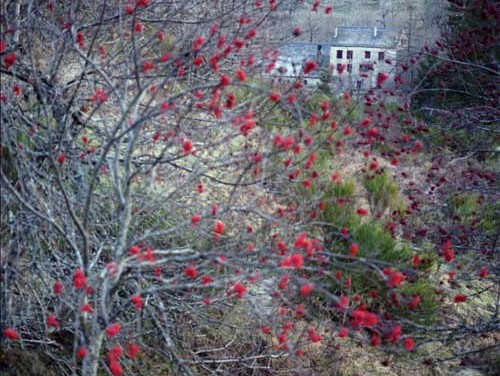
375 32
336 32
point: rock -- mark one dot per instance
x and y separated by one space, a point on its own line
469 372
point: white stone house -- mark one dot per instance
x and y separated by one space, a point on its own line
359 52
364 52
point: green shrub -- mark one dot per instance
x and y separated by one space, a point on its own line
376 242
426 311
465 206
383 193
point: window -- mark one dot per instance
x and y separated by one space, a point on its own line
358 84
367 54
349 67
339 67
339 54
381 55
349 54
365 67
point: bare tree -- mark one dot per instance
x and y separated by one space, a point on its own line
155 184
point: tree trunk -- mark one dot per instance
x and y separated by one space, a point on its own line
91 361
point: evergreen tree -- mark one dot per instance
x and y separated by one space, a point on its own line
459 77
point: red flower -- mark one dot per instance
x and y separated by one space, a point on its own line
113 330
296 31
138 28
147 66
52 321
3 46
142 3
274 96
219 227
309 66
460 298
409 343
115 368
299 312
137 301
215 209
11 334
213 30
99 96
195 219
80 39
81 353
165 57
61 158
149 255
375 340
58 288
396 279
354 250
365 122
362 211
313 336
307 183
343 303
16 89
483 272
363 318
240 289
347 130
200 188
115 353
225 80
198 42
86 308
198 60
206 279
251 33
306 289
187 146
343 332
134 250
79 279
328 9
347 99
191 272
373 132
414 302
266 329
297 260
381 78
448 253
416 261
133 350
395 333
241 75
283 284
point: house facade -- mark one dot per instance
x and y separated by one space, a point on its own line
354 56
359 53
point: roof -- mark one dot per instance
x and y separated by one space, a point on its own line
364 36
297 52
293 55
